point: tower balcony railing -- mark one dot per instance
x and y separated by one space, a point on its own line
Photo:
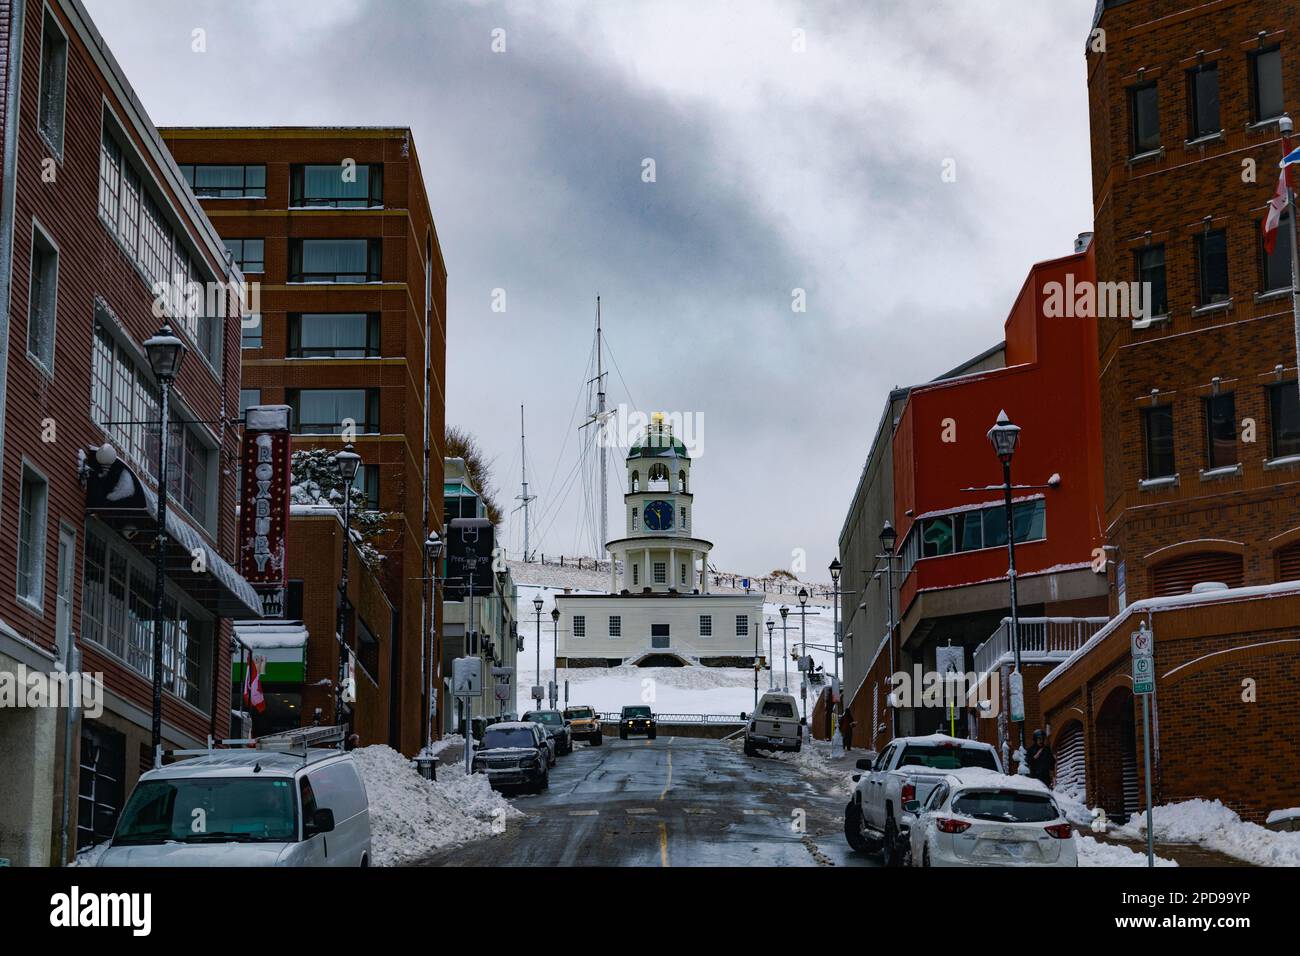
1042 640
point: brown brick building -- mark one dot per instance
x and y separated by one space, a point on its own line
1200 408
334 223
94 218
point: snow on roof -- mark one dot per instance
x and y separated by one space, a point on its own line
942 740
1172 603
262 635
983 777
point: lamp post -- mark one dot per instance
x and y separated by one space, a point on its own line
837 702
165 352
785 653
888 538
537 606
555 656
1004 436
432 554
803 651
348 462
770 670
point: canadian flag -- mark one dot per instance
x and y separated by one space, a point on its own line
253 686
1276 205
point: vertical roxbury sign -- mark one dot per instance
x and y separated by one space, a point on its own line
264 503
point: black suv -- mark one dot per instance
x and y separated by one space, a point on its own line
554 724
636 720
514 754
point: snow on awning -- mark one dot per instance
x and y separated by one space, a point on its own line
279 646
117 496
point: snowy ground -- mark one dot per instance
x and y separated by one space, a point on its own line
1209 824
680 690
1093 852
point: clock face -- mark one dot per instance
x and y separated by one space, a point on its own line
658 515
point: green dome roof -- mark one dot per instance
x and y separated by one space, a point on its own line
658 442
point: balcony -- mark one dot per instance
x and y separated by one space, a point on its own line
1042 640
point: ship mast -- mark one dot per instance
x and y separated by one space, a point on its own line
524 497
598 419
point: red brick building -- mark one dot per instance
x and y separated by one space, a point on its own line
95 218
334 224
1200 410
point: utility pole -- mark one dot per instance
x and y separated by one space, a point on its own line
523 495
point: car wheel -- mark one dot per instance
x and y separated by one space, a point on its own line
890 851
652 735
596 741
925 856
546 782
749 750
798 746
622 734
853 828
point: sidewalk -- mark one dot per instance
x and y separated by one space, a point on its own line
1184 854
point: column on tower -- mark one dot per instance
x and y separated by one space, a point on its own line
613 572
671 577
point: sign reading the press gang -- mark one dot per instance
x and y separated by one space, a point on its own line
264 503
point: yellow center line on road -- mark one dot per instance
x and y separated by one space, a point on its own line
663 844
668 785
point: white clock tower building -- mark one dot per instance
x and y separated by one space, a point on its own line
659 611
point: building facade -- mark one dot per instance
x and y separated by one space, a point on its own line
660 611
98 232
335 226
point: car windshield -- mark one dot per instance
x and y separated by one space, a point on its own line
578 713
778 708
548 717
201 810
636 711
508 737
947 758
1005 806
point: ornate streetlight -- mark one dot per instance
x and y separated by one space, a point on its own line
432 554
1004 437
888 539
348 462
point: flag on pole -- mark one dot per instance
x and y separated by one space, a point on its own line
1292 156
253 696
1276 206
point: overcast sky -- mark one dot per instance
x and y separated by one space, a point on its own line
776 169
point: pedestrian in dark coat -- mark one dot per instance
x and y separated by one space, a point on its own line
846 729
1041 759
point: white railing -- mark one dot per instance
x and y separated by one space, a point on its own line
1041 639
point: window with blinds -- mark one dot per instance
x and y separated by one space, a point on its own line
1288 563
1179 575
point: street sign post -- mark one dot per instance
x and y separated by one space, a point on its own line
1144 684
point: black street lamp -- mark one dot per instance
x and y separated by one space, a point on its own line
165 352
555 656
771 672
537 606
1004 436
348 463
785 652
835 629
803 652
888 539
432 554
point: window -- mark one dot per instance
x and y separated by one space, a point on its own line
661 572
334 335
1158 428
1266 84
1220 431
1284 419
634 516
579 625
325 411
1028 519
334 260
211 181
248 397
250 331
1151 274
936 537
970 536
337 186
1144 116
54 80
659 635
368 482
742 625
685 525
117 614
1276 265
1203 100
615 625
249 254
706 625
1212 266
42 299
31 537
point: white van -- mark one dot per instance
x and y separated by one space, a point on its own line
246 808
775 725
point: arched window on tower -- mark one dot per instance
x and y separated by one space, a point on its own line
657 479
635 484
681 481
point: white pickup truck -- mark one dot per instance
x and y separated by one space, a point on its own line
907 769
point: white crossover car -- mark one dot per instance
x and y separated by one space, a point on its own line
983 818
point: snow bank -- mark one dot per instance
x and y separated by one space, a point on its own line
90 855
410 816
1096 853
1208 823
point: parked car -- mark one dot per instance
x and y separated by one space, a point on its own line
515 754
584 724
251 807
636 720
553 723
775 725
983 818
908 769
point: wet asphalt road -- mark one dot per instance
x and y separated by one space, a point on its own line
674 801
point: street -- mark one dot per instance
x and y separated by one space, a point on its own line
674 801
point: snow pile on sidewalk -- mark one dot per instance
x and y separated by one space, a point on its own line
1096 853
1208 823
410 816
90 855
812 761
